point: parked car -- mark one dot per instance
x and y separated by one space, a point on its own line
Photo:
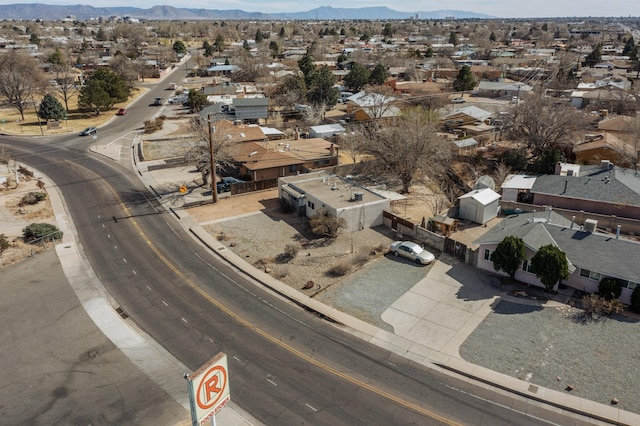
222 187
230 180
411 251
458 100
121 111
157 102
89 131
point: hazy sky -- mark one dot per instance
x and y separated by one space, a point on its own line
500 8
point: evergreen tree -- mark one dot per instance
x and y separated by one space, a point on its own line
258 37
595 57
453 38
282 33
57 58
492 37
357 78
379 75
550 265
387 31
322 90
464 80
509 255
103 90
628 46
275 49
51 109
179 47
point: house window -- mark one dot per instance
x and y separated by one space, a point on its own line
292 168
311 205
487 254
527 267
632 286
590 274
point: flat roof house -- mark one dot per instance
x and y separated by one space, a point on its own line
307 193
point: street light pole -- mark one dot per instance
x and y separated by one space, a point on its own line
214 188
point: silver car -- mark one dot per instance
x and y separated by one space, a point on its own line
411 251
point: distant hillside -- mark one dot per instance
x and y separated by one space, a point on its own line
83 12
329 13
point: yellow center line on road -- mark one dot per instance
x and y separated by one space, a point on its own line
374 389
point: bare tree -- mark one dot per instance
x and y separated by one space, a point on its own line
500 174
352 143
379 99
412 145
20 80
542 125
199 154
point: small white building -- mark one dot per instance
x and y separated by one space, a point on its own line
515 187
308 193
479 205
325 131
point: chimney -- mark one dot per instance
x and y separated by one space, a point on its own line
618 232
573 220
566 181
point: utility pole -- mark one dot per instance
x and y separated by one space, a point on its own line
214 188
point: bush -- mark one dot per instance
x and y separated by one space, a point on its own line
290 252
635 300
44 231
32 198
340 269
596 306
4 243
609 288
322 223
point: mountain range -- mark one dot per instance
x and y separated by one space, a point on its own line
83 12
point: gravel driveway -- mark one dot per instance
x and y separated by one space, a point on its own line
550 348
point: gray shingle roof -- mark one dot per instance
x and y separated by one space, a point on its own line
617 186
602 253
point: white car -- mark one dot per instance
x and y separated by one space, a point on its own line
411 251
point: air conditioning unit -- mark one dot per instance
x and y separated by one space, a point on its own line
590 225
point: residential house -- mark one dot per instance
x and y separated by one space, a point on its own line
326 131
367 106
470 116
479 205
605 146
604 189
492 89
306 194
250 109
591 256
273 159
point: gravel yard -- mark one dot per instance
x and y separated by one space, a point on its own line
261 238
550 348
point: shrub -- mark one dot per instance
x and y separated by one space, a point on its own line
44 231
609 288
596 306
4 243
340 269
290 252
32 198
322 223
635 300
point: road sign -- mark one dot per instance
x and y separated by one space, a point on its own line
209 389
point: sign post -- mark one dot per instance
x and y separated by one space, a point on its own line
208 390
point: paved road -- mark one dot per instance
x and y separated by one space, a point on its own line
288 366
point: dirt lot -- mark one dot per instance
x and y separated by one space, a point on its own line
282 244
13 217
